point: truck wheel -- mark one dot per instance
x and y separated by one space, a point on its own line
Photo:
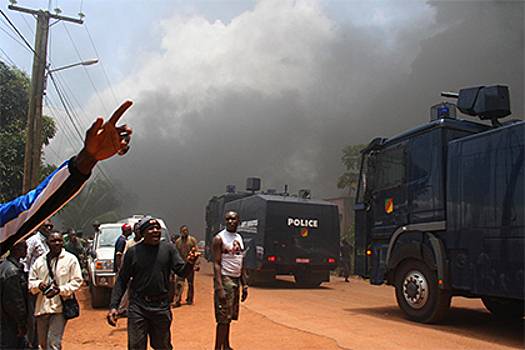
306 281
99 296
504 308
417 293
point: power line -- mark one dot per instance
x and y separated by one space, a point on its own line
64 104
85 70
7 57
14 38
18 32
101 63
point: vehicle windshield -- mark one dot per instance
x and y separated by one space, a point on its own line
108 236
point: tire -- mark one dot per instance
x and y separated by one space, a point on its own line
99 296
417 293
504 308
306 281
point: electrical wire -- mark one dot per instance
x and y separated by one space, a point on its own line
18 32
85 70
14 38
7 57
101 64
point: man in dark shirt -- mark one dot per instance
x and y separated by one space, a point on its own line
120 245
148 264
13 299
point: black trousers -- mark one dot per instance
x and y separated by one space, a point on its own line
151 320
9 338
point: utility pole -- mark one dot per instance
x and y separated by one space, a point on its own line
33 149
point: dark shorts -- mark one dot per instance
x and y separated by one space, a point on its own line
225 313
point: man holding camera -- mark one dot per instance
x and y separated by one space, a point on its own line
64 280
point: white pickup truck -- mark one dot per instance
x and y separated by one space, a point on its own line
100 260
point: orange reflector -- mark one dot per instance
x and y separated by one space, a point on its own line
368 252
272 258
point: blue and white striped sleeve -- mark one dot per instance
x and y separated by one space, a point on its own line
23 215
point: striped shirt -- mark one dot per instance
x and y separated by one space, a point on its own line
23 215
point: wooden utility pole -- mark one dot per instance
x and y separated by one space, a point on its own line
33 149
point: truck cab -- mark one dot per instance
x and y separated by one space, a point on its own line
422 207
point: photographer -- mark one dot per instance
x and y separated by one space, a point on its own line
64 279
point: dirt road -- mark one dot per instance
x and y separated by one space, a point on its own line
336 316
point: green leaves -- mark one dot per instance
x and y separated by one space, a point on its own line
14 100
352 161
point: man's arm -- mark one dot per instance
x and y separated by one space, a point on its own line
21 216
14 301
120 245
178 265
122 280
217 254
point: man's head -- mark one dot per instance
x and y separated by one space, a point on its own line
232 220
96 225
150 230
136 231
126 230
184 231
19 250
55 242
72 234
46 228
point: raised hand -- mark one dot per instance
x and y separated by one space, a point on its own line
104 139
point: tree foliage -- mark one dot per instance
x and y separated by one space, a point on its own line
14 101
352 161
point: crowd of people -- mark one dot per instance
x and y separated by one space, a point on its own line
41 271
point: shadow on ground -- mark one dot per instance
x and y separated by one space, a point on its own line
478 324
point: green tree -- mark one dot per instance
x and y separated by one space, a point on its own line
14 100
352 161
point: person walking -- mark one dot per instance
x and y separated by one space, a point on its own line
53 277
185 244
120 246
13 299
345 259
147 267
229 275
36 247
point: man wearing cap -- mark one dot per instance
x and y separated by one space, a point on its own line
147 267
120 245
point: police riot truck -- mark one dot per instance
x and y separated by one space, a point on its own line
440 209
282 234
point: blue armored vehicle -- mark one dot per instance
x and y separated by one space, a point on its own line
440 209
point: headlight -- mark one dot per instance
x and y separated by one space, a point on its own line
104 264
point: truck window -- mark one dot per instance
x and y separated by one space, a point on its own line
389 167
420 156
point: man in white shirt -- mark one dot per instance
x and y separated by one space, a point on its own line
36 244
49 291
228 268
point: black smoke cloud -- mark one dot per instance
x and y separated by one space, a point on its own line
358 87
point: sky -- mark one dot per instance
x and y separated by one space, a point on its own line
225 90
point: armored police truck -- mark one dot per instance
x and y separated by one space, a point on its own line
440 209
283 234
